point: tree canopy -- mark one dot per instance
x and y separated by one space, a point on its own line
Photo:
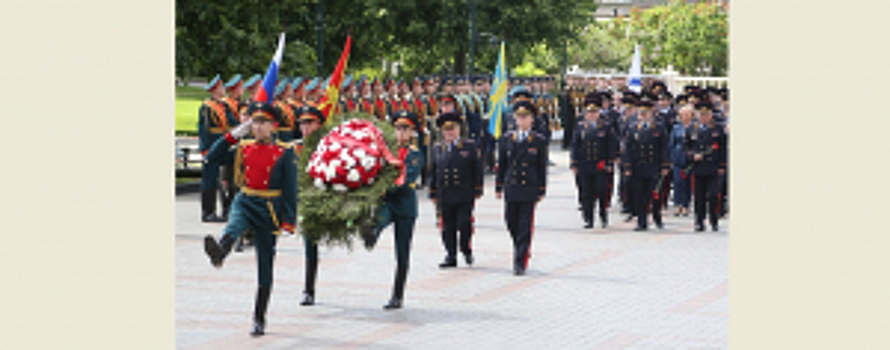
239 36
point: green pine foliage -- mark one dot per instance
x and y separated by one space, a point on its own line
333 218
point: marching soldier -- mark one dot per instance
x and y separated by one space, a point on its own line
645 158
266 171
706 151
522 176
400 205
287 124
455 185
626 123
594 148
311 119
214 120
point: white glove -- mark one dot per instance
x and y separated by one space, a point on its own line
242 130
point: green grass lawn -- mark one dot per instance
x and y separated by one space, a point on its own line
188 101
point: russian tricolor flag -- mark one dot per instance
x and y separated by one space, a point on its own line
266 92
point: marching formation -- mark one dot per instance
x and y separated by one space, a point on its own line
643 147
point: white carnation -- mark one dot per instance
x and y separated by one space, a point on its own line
339 187
320 184
353 176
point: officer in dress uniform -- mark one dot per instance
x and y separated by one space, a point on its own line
594 148
646 158
310 119
626 123
706 151
522 177
266 170
455 185
214 120
400 205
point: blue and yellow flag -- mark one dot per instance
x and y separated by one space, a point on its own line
498 102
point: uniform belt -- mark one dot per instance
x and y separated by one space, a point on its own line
215 130
260 193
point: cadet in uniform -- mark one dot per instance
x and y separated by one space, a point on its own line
267 173
234 91
645 158
626 123
594 148
455 185
706 151
400 205
522 176
214 120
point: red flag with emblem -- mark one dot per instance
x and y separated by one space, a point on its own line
329 101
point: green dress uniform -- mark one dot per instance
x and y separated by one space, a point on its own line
214 120
267 174
522 176
308 112
400 208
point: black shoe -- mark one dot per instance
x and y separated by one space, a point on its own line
393 304
518 271
588 224
259 328
369 235
308 299
449 261
629 218
659 225
468 258
639 228
714 228
605 222
699 227
212 217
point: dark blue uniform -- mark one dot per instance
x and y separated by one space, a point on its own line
456 181
646 155
522 176
594 147
710 141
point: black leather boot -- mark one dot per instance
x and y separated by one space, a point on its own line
208 207
259 311
370 233
217 251
398 289
309 288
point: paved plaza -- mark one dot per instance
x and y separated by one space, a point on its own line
585 289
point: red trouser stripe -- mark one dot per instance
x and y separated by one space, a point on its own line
531 234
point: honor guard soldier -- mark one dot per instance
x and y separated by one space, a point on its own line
311 119
266 170
706 151
455 185
250 86
379 101
214 120
667 117
522 178
400 205
234 91
419 107
645 159
287 124
594 148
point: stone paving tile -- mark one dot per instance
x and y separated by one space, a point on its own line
585 289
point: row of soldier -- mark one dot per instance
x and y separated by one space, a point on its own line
631 136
